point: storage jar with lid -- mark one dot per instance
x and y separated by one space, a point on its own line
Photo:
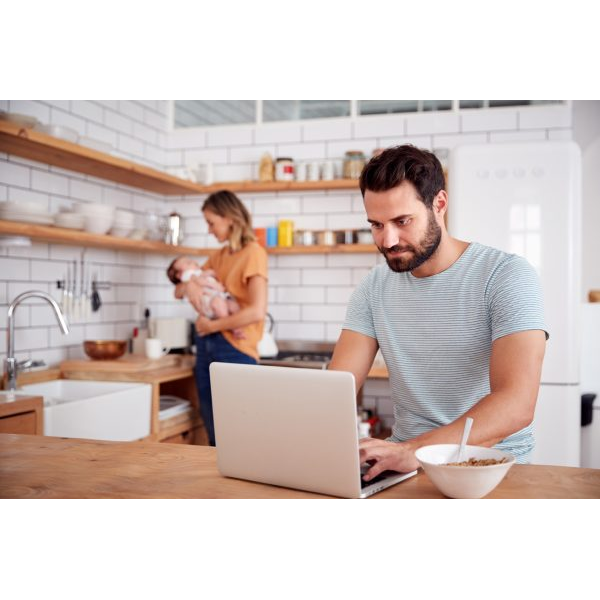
354 161
284 169
285 237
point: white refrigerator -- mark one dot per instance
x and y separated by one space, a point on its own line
525 198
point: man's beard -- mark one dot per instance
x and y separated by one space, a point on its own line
428 245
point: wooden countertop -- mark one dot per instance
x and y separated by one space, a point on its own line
46 467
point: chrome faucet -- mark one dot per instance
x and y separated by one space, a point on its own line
11 366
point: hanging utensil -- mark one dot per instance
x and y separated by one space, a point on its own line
96 300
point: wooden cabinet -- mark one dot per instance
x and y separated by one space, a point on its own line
173 380
22 415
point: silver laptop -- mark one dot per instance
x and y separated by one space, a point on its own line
290 427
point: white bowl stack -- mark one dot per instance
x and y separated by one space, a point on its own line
28 212
69 220
98 218
123 223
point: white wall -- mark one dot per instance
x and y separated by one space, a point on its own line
307 293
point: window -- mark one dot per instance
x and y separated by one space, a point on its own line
202 113
210 113
293 110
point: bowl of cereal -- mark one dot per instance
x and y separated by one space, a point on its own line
476 476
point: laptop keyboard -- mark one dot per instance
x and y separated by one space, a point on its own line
380 477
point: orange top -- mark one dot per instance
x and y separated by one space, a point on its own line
234 270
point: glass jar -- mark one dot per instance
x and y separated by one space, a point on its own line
354 161
284 169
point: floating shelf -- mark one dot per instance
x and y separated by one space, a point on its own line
70 237
34 145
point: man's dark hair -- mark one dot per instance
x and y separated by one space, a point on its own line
404 163
172 272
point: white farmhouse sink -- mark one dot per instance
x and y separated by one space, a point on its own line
97 410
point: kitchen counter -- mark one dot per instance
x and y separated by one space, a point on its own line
46 467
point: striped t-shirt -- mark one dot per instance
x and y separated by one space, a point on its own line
435 334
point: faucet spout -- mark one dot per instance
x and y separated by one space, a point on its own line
10 363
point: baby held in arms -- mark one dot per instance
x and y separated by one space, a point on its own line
203 290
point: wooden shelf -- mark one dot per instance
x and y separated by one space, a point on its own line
34 145
70 237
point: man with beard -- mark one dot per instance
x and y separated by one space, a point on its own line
460 325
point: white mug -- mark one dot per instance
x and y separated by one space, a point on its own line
327 171
154 348
313 171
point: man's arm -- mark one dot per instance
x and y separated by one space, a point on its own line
515 372
354 352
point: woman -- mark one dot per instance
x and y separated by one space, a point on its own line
241 266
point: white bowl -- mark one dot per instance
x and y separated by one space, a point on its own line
96 224
95 209
70 220
463 481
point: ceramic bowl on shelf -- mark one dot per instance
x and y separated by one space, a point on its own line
69 220
97 224
104 349
95 209
476 476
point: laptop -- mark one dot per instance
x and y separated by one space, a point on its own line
291 427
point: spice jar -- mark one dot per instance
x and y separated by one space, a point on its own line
284 169
354 161
285 237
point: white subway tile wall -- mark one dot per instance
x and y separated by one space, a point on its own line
307 293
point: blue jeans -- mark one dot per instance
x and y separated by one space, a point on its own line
213 348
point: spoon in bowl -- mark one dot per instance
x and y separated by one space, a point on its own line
463 441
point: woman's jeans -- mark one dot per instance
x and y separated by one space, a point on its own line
213 348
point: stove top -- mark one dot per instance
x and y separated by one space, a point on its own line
309 360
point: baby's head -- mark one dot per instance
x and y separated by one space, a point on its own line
178 266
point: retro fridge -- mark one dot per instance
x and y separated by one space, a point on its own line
525 198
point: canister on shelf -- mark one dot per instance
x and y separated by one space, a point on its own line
285 237
266 168
345 236
304 237
284 169
364 236
326 238
261 236
354 161
272 234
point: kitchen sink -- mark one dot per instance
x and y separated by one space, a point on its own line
97 410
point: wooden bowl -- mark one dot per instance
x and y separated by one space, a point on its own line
104 349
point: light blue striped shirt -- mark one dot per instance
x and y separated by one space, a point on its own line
435 334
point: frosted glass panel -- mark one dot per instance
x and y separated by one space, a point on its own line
203 113
293 110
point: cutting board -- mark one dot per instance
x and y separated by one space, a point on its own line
130 363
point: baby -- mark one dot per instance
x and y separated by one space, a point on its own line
204 291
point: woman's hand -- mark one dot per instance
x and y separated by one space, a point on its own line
387 456
204 326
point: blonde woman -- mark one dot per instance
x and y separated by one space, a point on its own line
241 266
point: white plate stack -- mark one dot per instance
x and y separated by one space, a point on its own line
123 223
27 212
98 217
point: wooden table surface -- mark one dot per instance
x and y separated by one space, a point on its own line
48 467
